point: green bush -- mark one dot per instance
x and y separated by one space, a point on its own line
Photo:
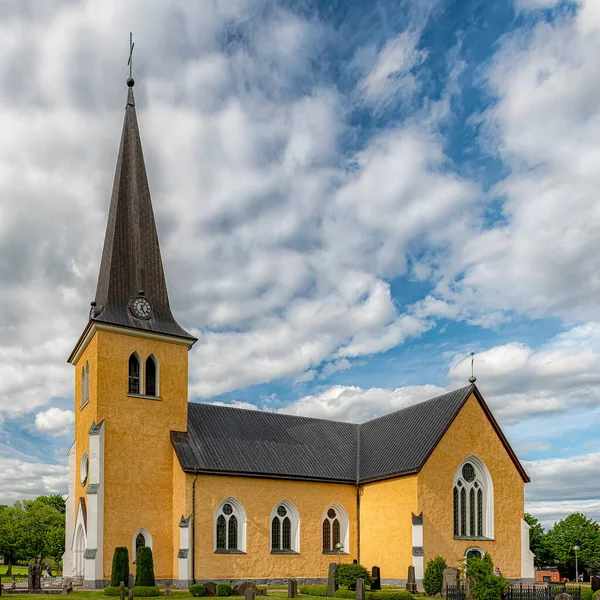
145 591
585 593
114 590
433 579
144 576
223 589
120 567
484 584
313 590
343 593
197 590
399 595
347 574
596 595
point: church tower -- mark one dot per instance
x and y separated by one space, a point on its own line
131 375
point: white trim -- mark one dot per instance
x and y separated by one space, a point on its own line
484 479
70 513
95 508
84 469
527 568
147 540
342 517
294 516
140 391
475 549
153 358
185 564
79 546
240 515
149 335
417 541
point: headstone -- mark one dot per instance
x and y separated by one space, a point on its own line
131 581
34 577
376 577
595 581
210 588
450 577
360 589
411 584
563 596
167 589
249 594
122 590
292 588
131 593
331 580
247 585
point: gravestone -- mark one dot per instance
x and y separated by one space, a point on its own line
131 593
376 576
563 596
167 589
411 584
131 581
34 577
249 594
331 580
360 589
450 577
595 581
210 588
247 585
292 588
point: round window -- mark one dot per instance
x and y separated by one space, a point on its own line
83 468
468 472
227 509
281 511
331 513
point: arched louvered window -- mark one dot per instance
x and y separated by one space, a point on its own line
335 524
82 400
134 374
285 528
151 376
230 526
473 500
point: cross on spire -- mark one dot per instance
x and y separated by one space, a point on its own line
472 379
130 81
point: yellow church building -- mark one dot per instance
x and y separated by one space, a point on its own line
220 493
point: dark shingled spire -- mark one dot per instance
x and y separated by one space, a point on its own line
131 261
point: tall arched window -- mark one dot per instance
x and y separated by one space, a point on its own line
473 500
230 526
82 401
151 376
335 528
134 374
87 381
141 538
285 528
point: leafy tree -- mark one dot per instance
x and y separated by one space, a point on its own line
347 574
8 537
538 543
55 500
484 584
433 579
575 530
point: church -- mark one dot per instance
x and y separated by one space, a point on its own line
224 494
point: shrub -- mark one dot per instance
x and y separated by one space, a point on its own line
145 591
114 590
347 574
120 567
399 595
144 576
484 584
342 593
313 590
197 590
585 593
596 595
223 589
433 579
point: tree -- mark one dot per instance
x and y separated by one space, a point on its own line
55 500
8 536
144 576
484 584
433 579
120 567
575 530
538 543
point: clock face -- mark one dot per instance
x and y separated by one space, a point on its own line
141 308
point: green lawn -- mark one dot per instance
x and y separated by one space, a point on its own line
21 572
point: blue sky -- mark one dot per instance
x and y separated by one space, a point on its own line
351 197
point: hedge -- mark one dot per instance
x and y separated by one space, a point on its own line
114 590
144 576
223 589
197 590
347 574
145 591
313 590
400 595
120 567
343 593
586 593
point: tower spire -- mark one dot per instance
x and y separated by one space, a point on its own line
131 290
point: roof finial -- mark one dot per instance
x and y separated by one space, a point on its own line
472 379
130 79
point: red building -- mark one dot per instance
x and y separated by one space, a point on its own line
547 576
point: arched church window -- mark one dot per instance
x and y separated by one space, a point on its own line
87 381
230 526
335 528
285 528
151 376
134 374
473 500
141 538
140 542
82 401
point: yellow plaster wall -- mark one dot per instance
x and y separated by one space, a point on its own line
386 525
138 455
471 434
258 497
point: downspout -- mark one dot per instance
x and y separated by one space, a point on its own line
193 536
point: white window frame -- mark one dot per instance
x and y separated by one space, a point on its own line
82 399
87 382
84 469
147 539
240 515
342 517
484 480
141 364
153 358
294 516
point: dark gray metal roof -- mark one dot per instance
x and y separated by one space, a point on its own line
131 259
224 439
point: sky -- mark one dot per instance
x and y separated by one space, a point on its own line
351 197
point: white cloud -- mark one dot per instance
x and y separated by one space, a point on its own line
55 422
21 480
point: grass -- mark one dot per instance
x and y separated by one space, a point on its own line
20 571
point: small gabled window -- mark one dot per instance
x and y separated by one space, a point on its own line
134 374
